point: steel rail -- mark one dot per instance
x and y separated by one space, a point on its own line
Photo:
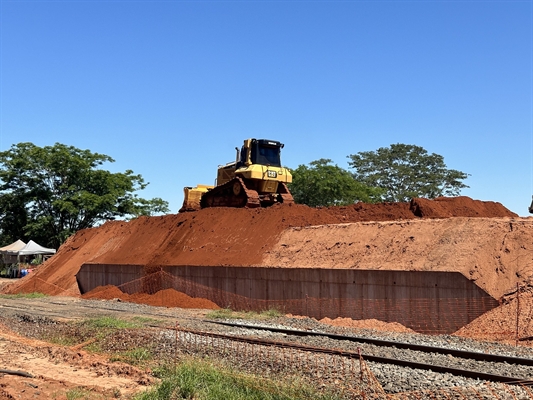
367 357
472 355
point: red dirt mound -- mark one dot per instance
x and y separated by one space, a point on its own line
162 298
367 324
500 324
172 298
215 236
445 207
107 292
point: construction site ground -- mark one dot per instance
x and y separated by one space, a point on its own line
482 240
67 371
58 369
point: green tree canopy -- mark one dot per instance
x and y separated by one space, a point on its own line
48 193
323 184
406 171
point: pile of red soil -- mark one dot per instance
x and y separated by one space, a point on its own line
108 292
219 236
446 207
512 320
162 298
367 324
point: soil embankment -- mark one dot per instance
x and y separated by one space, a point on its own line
247 237
496 253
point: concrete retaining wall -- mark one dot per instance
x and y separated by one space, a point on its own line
425 301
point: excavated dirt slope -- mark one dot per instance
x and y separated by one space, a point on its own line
244 237
494 252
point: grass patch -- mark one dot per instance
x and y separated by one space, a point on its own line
92 333
201 380
139 357
78 394
34 295
62 340
94 347
226 313
81 393
147 321
110 323
272 313
223 313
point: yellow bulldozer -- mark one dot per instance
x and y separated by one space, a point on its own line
255 179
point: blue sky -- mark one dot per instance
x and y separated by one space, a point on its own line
170 88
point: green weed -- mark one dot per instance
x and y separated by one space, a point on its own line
78 393
94 347
223 313
271 313
201 380
34 295
147 321
99 329
139 356
109 323
226 313
62 340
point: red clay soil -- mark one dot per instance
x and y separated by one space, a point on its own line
172 298
219 236
373 324
108 292
162 298
447 207
501 323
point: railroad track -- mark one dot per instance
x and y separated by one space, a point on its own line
492 358
432 368
472 355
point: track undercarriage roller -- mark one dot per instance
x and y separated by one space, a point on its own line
231 194
240 192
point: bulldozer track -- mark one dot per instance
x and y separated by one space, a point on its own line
285 194
231 194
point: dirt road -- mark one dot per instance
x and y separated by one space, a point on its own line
56 370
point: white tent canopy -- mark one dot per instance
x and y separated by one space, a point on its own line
15 246
31 248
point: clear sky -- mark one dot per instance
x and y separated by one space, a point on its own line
170 88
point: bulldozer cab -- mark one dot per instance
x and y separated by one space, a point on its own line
260 151
266 152
531 206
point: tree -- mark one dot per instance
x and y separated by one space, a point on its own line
48 193
322 184
406 171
